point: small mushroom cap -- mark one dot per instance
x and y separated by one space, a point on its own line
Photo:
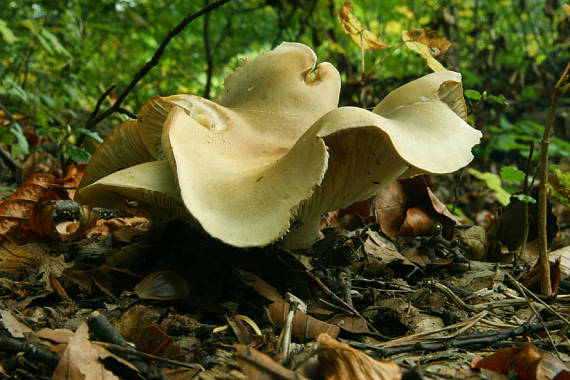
428 127
150 183
121 149
416 129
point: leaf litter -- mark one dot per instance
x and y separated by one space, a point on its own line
398 286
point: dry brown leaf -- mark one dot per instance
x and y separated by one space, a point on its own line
304 326
527 361
340 361
137 327
16 328
14 258
350 323
437 44
423 50
56 339
258 366
352 26
80 360
164 285
71 179
409 208
20 206
260 286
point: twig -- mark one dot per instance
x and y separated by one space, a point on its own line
339 300
100 102
209 58
131 351
125 111
540 301
536 313
149 65
479 307
31 351
560 88
484 339
526 191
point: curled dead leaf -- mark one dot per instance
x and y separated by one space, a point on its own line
164 285
353 27
340 361
304 326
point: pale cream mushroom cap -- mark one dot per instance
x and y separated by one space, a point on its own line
418 128
150 184
277 152
121 149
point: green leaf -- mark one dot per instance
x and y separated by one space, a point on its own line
22 142
524 198
77 154
472 94
512 175
493 182
498 99
94 135
7 33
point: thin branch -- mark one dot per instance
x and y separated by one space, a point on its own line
125 111
542 235
150 64
99 102
209 58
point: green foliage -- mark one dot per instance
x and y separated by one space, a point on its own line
493 182
512 175
508 175
57 57
559 185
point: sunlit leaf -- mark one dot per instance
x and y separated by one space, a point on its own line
472 94
437 44
423 50
7 33
512 175
493 182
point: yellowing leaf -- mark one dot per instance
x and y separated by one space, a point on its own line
566 9
437 44
352 26
423 50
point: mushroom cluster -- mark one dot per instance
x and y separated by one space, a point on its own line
276 152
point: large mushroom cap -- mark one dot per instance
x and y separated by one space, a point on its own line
277 152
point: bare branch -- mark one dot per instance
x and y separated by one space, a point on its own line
149 65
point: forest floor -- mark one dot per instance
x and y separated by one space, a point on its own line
432 295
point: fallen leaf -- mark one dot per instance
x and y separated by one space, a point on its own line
260 286
353 27
163 285
340 361
80 360
409 208
16 328
136 326
257 365
20 206
304 326
527 361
